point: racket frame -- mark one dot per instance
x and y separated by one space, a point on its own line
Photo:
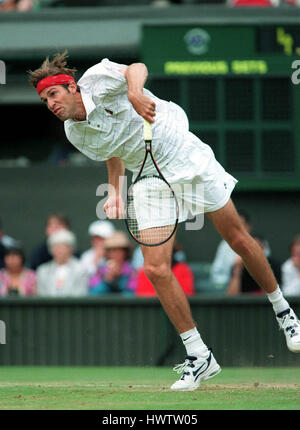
148 148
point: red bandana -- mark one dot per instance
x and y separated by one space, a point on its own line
54 80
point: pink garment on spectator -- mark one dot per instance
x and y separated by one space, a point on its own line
27 284
256 3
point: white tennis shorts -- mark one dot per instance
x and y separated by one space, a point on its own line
200 184
154 204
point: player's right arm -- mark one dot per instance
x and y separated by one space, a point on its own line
114 206
136 75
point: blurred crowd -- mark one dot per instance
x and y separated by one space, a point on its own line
55 268
228 270
112 265
26 5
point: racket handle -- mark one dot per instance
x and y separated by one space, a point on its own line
147 130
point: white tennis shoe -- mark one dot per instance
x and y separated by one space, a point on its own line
289 323
195 370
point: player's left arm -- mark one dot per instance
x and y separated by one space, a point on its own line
114 206
136 75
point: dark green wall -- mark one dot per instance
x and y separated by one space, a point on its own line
28 195
114 331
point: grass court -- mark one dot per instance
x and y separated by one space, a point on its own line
146 388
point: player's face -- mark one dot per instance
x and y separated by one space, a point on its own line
60 101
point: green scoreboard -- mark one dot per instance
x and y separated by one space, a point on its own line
239 87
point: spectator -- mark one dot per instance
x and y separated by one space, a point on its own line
18 5
15 279
95 256
25 5
221 268
5 242
117 275
2 253
7 5
41 254
292 3
253 3
160 3
242 282
137 260
64 275
181 271
291 270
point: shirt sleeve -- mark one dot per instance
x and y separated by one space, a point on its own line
103 79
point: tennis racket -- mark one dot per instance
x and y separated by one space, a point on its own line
152 209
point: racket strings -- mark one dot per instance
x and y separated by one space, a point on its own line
152 210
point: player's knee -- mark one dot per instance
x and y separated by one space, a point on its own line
157 272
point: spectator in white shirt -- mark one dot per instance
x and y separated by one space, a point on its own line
291 270
64 275
93 257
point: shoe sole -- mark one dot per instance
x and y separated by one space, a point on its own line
217 369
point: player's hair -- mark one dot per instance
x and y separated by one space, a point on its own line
57 66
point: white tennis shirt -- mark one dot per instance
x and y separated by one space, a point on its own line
120 134
114 129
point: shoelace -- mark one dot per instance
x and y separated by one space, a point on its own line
289 326
179 368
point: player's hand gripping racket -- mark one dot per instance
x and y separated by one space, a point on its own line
152 208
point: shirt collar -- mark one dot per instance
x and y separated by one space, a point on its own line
88 102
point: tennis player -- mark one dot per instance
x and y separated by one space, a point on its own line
103 118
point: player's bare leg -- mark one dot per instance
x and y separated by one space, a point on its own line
157 266
227 222
200 363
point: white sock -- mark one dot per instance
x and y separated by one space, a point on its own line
278 301
193 343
